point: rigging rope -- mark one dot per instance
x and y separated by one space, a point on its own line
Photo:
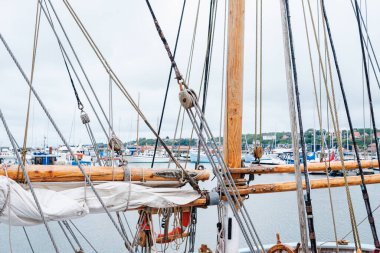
258 150
28 239
207 64
223 174
320 123
366 44
119 84
67 236
47 15
223 72
364 190
64 141
336 129
35 43
88 242
26 176
168 82
308 204
84 116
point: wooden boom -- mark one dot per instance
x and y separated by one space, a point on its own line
315 184
289 186
289 168
67 173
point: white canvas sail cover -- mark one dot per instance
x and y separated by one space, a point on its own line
18 208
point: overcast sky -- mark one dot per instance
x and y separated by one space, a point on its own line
125 33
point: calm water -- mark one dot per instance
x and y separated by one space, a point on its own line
271 213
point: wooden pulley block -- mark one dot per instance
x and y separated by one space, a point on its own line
258 152
115 143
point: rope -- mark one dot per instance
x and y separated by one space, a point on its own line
207 63
89 243
233 196
117 81
35 43
187 78
334 118
320 124
62 138
366 44
256 66
73 235
308 204
261 72
26 176
364 190
28 239
293 124
222 98
81 67
168 82
84 117
67 237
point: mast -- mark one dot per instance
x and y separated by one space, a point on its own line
234 92
234 109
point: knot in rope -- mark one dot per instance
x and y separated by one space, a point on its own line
23 152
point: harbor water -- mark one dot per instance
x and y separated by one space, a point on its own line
271 213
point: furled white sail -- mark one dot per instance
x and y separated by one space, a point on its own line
17 206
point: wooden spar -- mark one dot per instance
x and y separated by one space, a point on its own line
312 167
315 184
234 88
234 109
62 173
290 186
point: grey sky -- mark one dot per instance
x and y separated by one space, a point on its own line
125 33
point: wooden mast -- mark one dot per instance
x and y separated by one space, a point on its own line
234 92
234 110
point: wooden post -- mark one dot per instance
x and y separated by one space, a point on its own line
234 110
